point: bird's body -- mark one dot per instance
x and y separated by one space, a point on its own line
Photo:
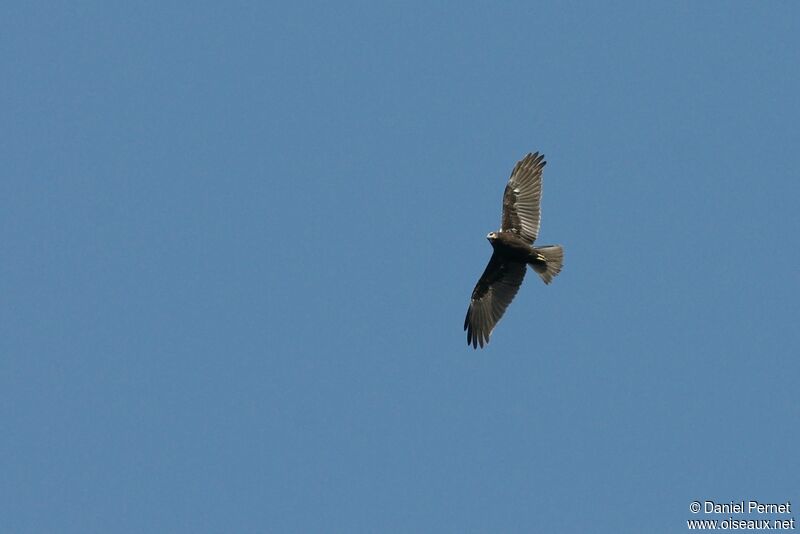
513 250
511 246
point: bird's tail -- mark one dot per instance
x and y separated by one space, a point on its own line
547 261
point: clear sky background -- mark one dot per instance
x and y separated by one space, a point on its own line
239 240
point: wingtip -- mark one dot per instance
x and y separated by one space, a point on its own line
474 338
534 159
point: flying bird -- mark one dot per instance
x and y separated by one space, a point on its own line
513 250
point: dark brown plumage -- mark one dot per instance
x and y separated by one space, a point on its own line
512 251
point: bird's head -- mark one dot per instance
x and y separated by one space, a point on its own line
491 236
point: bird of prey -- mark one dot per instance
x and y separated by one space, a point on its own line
512 251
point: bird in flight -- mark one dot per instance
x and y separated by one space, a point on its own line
512 251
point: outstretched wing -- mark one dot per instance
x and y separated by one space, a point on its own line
523 196
493 293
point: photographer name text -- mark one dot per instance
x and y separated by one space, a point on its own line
744 507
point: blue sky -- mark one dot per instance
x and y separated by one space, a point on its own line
239 241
